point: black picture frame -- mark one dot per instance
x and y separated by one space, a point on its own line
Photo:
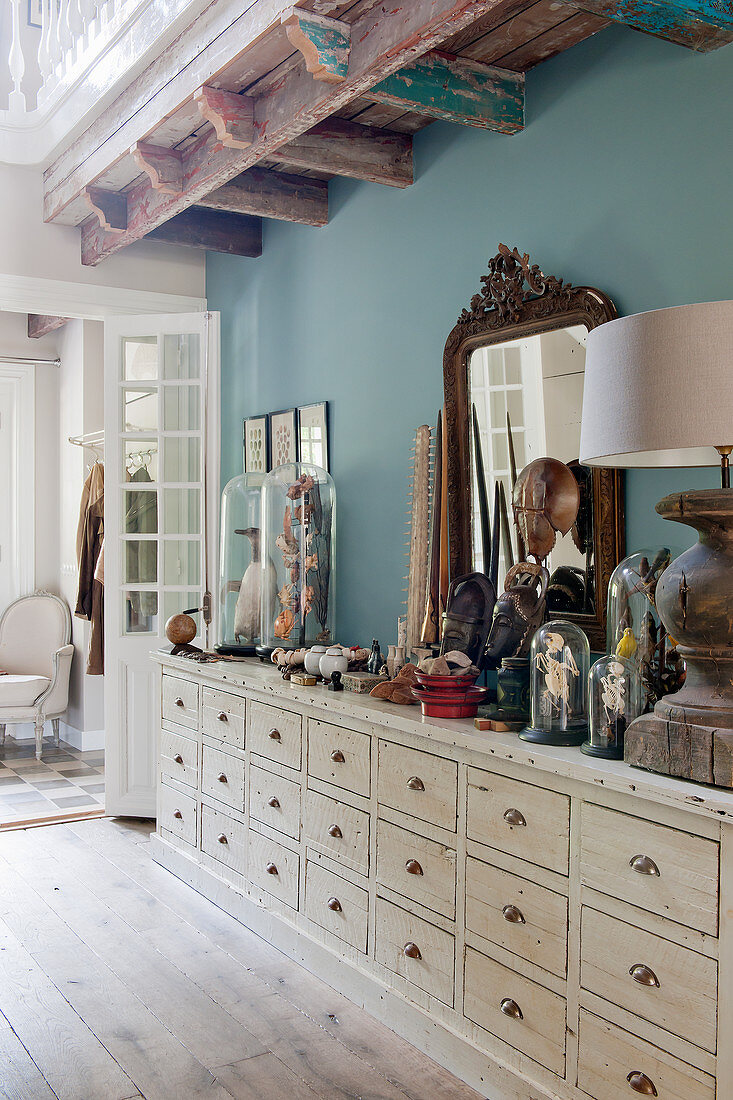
283 432
312 417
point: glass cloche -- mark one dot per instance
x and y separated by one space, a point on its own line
559 660
240 566
298 523
614 688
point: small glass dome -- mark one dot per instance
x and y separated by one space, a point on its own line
559 662
615 694
240 566
298 523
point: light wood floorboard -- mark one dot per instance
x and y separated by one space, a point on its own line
119 981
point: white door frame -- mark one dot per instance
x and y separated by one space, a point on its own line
21 378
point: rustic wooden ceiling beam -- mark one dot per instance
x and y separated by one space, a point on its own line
456 90
384 39
698 24
343 148
231 115
110 208
325 43
237 234
39 324
272 195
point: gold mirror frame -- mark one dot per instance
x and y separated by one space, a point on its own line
517 299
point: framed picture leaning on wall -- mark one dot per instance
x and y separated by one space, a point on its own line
283 437
255 440
313 434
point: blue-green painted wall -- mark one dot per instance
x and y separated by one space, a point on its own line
621 179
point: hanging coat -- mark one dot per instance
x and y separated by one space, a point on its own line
89 541
141 518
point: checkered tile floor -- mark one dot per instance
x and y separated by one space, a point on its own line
66 781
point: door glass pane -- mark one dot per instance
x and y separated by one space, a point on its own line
140 614
181 562
140 561
141 460
139 512
176 602
181 459
182 511
139 358
140 411
181 408
181 356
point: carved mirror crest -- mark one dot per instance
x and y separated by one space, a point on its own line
517 355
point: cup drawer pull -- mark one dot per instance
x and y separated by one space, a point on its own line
178 758
412 951
338 757
273 802
642 1084
511 1008
222 838
222 717
514 817
334 904
335 832
643 865
415 783
513 915
275 735
179 702
178 815
271 869
222 778
413 867
644 975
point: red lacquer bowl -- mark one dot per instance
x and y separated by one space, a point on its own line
461 704
446 683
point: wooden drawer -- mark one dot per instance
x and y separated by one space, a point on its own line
224 838
336 905
608 1057
339 756
417 950
524 1014
274 868
275 733
660 869
275 800
222 777
180 702
519 915
179 758
685 999
520 819
177 813
337 830
419 869
222 716
419 784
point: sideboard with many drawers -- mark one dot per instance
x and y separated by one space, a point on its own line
544 925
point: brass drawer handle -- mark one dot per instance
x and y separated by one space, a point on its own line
334 904
223 717
338 757
644 975
511 1008
222 838
177 814
274 735
178 758
222 778
179 702
513 915
273 802
334 831
413 867
644 865
271 869
415 783
514 817
412 951
640 1083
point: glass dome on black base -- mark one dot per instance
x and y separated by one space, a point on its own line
559 661
615 701
240 567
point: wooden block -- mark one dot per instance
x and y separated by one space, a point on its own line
361 683
686 750
303 679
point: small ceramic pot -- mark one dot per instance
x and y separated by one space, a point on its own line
313 659
332 660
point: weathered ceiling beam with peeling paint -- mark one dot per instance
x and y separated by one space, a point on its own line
163 167
231 115
270 194
213 230
109 207
342 148
40 324
698 24
324 42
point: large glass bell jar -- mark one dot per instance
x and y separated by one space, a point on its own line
299 525
615 700
559 660
240 566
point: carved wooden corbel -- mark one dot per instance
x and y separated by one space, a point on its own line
164 167
109 206
325 43
231 115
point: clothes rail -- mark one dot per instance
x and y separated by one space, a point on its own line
23 359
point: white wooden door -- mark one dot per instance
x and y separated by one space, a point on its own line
161 522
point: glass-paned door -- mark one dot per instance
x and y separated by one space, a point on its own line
161 445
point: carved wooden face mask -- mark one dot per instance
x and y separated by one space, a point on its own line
545 501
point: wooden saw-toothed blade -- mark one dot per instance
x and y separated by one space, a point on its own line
417 577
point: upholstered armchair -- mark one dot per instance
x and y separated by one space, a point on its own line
35 653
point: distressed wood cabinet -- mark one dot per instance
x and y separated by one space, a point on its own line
546 927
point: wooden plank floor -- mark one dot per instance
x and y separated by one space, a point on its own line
118 981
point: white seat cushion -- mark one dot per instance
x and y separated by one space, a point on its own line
21 691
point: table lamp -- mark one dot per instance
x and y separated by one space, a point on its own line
658 392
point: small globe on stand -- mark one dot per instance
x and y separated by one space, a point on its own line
180 629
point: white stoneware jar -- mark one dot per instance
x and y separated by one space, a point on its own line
312 659
333 660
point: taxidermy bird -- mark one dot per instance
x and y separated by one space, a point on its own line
627 644
249 600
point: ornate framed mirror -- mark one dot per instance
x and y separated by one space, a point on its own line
517 357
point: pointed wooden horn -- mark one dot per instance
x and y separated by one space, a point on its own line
483 501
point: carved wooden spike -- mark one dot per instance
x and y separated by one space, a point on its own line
699 24
40 325
163 166
325 43
109 206
231 115
417 577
